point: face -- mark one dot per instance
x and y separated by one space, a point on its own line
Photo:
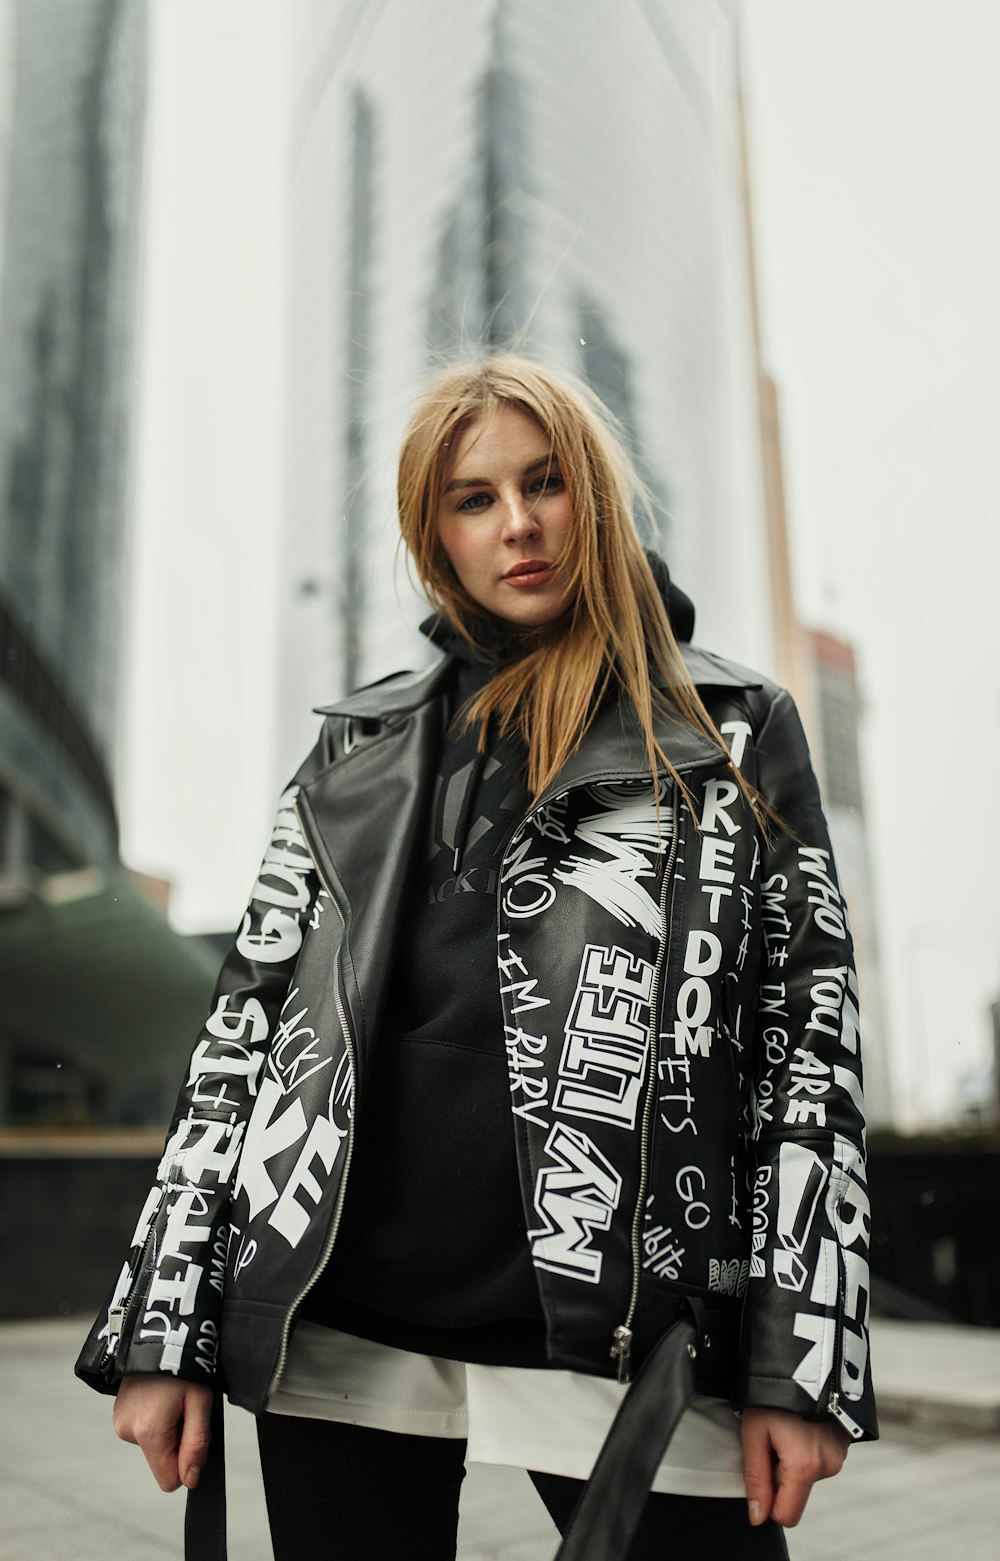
504 517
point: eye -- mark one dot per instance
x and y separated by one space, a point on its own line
550 483
475 501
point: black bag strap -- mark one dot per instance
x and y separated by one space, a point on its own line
205 1512
611 1504
607 1515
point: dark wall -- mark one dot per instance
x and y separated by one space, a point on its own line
66 1221
936 1223
65 1225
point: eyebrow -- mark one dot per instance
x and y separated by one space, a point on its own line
548 461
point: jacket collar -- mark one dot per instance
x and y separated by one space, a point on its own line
398 694
710 671
403 692
613 749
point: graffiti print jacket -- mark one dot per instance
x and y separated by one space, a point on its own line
680 1014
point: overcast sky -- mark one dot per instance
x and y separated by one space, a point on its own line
875 132
874 129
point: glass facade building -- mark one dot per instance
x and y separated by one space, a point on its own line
562 179
834 735
100 997
71 116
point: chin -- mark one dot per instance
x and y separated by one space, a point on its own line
532 615
528 620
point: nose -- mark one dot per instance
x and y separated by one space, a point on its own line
520 520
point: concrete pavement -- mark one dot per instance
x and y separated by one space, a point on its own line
929 1488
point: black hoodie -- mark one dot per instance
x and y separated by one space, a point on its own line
431 1254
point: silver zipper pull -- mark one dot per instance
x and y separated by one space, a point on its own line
621 1350
836 1409
116 1321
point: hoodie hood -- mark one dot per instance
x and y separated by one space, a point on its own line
680 607
493 644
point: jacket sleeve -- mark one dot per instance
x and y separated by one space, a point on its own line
805 1336
163 1313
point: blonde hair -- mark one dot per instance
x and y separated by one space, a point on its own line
616 628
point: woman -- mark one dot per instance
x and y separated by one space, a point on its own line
343 1224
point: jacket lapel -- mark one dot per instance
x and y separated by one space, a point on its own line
364 818
365 812
614 749
395 695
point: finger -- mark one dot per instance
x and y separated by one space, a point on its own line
122 1422
792 1486
195 1436
159 1443
757 1469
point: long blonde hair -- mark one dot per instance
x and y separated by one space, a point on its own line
616 628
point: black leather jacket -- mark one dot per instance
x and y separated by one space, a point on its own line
681 1022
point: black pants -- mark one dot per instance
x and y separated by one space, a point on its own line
347 1493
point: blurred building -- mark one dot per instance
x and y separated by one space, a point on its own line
836 710
81 945
820 672
789 652
73 79
565 180
992 1100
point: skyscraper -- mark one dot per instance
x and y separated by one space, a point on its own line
99 994
836 708
73 83
563 180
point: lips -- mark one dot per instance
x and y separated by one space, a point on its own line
528 570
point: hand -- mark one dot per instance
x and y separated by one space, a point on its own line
783 1457
169 1420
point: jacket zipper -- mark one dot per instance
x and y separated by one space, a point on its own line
838 1337
621 1339
349 1149
118 1313
732 1043
833 1403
